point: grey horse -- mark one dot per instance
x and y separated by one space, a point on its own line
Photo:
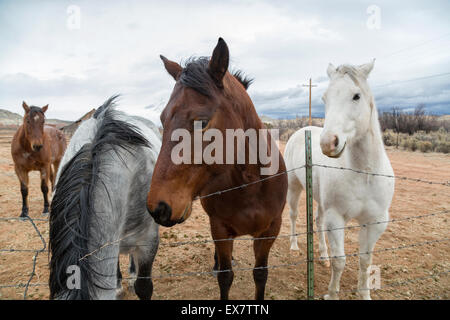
99 207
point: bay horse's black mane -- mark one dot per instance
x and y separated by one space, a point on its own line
195 75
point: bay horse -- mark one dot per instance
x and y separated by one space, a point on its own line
351 138
99 208
206 92
36 146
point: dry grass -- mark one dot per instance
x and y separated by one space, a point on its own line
435 141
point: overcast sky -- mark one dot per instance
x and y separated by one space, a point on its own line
46 56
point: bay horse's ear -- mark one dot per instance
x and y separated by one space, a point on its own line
173 68
44 108
218 65
25 107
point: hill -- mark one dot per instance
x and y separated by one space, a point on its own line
13 120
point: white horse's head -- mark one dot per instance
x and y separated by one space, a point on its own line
348 107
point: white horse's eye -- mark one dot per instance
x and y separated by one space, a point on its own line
356 97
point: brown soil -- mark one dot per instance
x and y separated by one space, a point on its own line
427 262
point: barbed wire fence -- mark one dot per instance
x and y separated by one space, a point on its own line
26 285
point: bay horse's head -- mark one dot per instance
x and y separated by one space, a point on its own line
349 107
33 124
207 94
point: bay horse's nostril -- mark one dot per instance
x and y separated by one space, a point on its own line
162 214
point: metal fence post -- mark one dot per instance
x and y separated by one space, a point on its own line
309 216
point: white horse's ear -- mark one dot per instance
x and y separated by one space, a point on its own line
366 68
331 70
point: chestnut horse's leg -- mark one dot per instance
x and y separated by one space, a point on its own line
262 249
23 178
45 171
225 274
55 172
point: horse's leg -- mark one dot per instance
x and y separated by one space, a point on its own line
45 171
52 178
321 234
293 196
23 178
55 172
145 255
262 249
225 274
216 262
119 289
132 272
335 223
368 236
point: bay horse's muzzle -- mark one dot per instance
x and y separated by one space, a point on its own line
162 215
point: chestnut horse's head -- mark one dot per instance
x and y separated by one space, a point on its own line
33 124
207 94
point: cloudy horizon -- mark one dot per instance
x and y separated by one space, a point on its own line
52 55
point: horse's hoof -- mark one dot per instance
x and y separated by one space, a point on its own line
294 247
119 293
131 282
331 297
45 211
364 295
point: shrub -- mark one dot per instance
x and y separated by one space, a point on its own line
425 146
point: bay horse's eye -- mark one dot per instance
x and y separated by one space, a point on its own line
204 123
356 97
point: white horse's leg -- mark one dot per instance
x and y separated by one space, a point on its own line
368 236
322 243
336 241
293 196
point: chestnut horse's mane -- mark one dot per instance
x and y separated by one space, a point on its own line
195 75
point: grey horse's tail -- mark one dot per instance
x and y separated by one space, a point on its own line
72 209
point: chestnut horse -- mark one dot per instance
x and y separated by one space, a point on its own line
36 147
205 91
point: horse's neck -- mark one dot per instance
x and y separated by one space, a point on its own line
368 153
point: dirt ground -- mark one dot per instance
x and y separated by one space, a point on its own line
409 273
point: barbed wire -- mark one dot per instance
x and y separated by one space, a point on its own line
180 243
200 273
38 251
447 184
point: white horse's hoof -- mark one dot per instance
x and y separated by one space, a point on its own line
294 246
331 297
364 295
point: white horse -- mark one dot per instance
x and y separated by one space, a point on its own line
351 138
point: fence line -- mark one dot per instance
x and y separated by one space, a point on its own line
418 244
200 273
